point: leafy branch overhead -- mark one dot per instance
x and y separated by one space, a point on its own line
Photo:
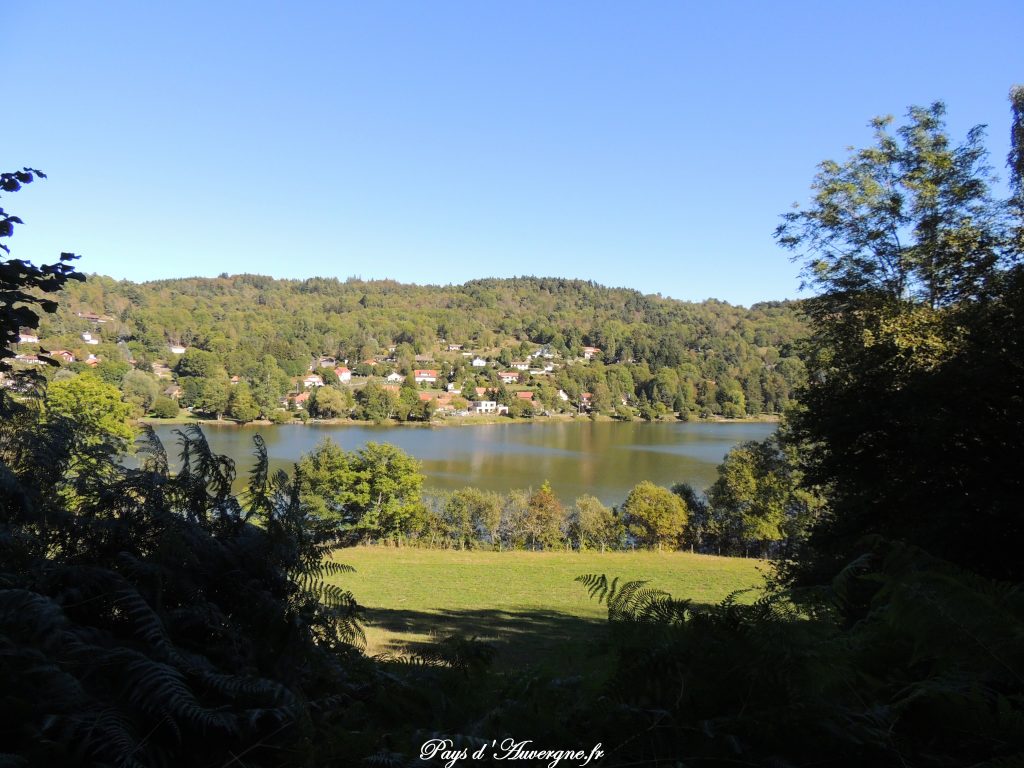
21 282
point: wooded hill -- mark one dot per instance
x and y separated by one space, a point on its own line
701 358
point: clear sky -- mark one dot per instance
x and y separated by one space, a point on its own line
644 144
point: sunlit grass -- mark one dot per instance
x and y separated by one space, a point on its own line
526 603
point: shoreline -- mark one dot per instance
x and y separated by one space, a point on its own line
456 422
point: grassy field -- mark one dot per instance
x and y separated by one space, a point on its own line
525 603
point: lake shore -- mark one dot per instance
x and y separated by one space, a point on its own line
452 421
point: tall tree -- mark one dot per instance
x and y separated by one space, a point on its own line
912 414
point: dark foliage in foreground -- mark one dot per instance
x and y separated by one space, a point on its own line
158 621
932 674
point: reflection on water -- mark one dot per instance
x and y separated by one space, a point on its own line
605 459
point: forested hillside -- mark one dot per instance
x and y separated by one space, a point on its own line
653 353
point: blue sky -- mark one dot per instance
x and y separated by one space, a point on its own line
645 144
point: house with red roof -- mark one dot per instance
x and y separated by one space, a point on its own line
427 376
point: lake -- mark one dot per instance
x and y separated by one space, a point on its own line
605 459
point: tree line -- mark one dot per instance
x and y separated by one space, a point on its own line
657 356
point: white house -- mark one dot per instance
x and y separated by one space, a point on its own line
394 377
487 406
343 374
177 349
509 377
425 375
521 365
88 339
27 338
313 380
589 353
479 362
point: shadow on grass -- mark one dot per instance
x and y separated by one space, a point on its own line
520 638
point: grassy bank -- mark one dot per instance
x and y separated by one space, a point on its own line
525 603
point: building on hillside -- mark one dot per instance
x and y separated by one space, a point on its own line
425 376
394 377
177 349
235 380
525 395
521 365
479 362
313 380
454 347
173 392
487 406
509 377
27 337
63 355
343 373
589 353
88 338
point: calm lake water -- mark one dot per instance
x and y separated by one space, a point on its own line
605 459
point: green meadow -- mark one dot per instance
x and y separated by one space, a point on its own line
526 604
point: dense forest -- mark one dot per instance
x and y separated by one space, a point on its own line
654 356
151 617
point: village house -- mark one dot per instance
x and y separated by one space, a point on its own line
425 376
479 362
563 396
173 392
301 399
454 388
521 365
63 355
343 374
313 380
29 359
454 347
27 337
525 395
487 406
325 362
509 377
394 376
586 400
235 380
424 358
177 349
88 338
589 353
